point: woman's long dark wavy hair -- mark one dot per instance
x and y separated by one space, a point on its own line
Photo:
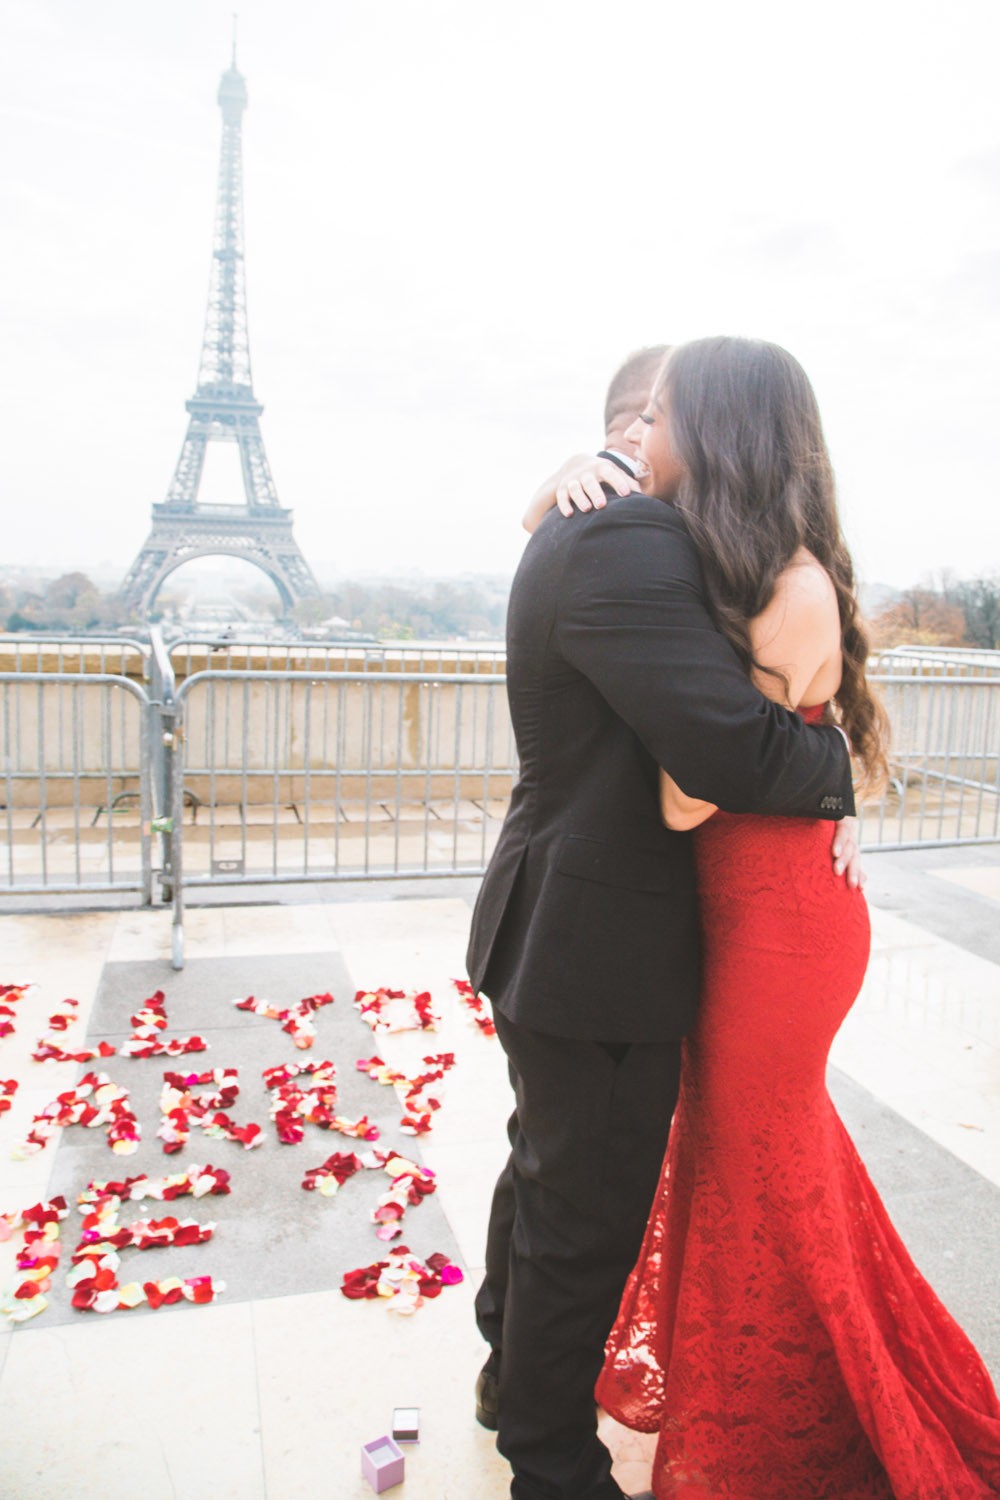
758 485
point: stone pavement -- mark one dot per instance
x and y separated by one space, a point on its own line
268 1393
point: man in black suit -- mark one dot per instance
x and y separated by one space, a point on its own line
585 938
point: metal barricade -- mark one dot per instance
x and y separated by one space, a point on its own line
935 661
195 653
76 805
45 651
944 756
388 767
292 776
162 751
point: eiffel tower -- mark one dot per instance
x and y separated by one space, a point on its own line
223 409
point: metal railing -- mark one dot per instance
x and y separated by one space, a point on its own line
44 651
944 758
285 776
935 661
201 652
159 780
76 798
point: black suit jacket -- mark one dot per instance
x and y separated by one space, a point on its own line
586 922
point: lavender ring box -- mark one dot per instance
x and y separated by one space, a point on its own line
406 1424
382 1464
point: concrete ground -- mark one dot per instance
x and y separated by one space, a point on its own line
269 1393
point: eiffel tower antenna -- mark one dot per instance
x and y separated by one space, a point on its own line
223 409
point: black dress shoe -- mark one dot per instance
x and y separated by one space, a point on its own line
487 1391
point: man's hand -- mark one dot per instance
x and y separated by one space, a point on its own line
846 854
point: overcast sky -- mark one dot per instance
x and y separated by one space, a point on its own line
460 217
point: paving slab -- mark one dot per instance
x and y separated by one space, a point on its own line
272 1237
947 1214
909 882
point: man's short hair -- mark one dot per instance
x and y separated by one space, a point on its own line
630 386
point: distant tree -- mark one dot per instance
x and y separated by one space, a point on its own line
391 629
441 609
262 602
17 621
946 582
979 599
919 617
70 602
28 612
64 591
92 611
313 611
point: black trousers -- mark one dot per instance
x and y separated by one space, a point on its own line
569 1210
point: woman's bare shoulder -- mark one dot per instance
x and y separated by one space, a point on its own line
798 633
803 597
806 583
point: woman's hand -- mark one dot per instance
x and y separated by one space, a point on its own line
577 485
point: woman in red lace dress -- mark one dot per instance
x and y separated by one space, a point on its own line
775 1331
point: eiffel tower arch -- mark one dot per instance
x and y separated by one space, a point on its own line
223 409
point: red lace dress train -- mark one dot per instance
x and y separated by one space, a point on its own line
774 1330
